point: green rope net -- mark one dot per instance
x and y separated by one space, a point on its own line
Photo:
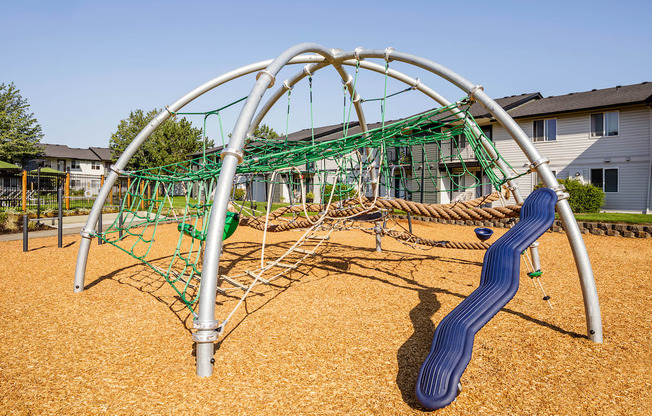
428 157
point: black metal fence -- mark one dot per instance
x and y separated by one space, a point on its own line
11 190
40 190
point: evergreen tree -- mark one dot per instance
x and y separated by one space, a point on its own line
20 133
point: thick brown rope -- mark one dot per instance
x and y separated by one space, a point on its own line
467 210
405 236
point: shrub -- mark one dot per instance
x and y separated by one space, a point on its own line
584 197
310 197
341 192
239 194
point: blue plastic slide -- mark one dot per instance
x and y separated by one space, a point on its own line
452 344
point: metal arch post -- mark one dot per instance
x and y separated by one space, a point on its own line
205 323
580 254
89 228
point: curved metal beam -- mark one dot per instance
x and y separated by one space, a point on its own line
205 322
89 228
231 156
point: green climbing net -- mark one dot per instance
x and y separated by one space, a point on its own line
427 155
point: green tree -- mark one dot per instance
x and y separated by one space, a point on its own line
20 133
265 132
171 142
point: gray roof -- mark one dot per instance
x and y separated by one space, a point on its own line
588 100
522 105
64 152
507 103
104 153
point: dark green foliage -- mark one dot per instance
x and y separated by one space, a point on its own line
341 192
265 132
20 133
239 194
584 197
171 142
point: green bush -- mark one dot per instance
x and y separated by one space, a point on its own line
584 197
341 192
310 197
239 194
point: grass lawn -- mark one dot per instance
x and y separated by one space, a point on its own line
616 217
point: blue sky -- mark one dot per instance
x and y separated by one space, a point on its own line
84 65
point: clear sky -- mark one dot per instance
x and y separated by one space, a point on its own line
84 65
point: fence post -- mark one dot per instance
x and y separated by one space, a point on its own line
25 235
60 227
102 183
142 189
128 194
67 190
110 192
25 191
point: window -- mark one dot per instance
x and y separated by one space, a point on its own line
74 164
604 124
457 182
487 130
605 179
459 141
61 165
95 165
544 130
536 180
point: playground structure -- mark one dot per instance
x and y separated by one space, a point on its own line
351 175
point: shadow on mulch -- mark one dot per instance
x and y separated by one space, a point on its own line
410 355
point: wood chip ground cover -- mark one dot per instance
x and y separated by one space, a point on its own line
344 334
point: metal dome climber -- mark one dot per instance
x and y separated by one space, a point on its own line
315 58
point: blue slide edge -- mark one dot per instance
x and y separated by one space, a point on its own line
452 344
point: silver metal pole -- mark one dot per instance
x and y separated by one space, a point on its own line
89 228
205 323
378 232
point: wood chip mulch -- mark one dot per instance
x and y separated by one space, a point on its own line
344 334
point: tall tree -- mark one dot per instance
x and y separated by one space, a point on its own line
171 142
20 133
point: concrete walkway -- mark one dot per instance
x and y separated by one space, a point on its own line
71 225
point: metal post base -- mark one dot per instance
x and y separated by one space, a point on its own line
205 359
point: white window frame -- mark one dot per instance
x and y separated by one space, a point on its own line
95 165
545 130
617 169
75 164
600 136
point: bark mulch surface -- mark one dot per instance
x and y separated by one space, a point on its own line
344 334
